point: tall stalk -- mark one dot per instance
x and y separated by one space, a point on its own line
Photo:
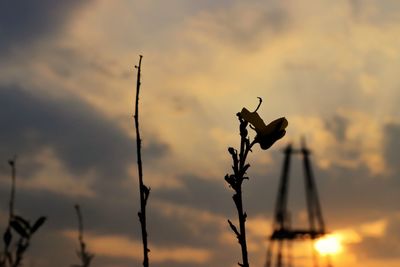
143 189
266 136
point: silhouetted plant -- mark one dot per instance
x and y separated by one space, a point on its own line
22 229
84 256
266 136
144 191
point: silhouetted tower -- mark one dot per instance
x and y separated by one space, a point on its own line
283 234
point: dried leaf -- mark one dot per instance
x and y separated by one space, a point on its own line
25 223
19 229
39 222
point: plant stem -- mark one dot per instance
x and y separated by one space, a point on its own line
6 252
235 181
80 229
244 150
12 163
83 255
80 223
242 227
144 190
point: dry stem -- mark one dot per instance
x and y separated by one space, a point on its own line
144 190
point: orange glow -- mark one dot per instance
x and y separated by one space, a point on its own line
328 245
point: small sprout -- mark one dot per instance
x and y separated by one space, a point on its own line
232 151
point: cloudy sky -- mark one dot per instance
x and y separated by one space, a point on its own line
67 88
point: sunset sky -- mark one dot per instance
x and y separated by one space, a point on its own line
67 88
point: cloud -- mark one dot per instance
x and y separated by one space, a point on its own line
392 145
22 23
375 12
243 26
122 247
338 126
201 193
54 177
382 247
347 138
48 248
79 136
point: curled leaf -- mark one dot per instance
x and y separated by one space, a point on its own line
267 135
19 229
25 223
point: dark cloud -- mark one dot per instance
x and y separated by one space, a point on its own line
102 214
182 229
353 196
107 216
392 145
214 195
259 192
32 204
201 193
80 136
382 247
49 248
24 22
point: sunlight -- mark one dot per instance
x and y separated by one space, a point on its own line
328 245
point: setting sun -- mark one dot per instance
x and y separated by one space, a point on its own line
328 245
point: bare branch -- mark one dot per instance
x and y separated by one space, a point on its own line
143 190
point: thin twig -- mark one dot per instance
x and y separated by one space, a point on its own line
144 190
80 223
83 254
12 163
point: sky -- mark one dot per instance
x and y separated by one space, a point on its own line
67 89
